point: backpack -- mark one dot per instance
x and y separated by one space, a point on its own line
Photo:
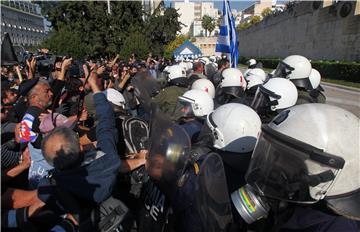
136 134
104 217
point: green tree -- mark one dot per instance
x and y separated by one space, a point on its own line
211 27
173 45
252 20
255 19
242 26
101 33
138 43
208 24
58 43
162 29
267 11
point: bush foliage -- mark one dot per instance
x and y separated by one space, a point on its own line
336 70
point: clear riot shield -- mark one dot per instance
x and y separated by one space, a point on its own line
212 197
168 146
168 149
145 87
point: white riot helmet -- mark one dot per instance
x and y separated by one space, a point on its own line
312 153
205 85
275 94
204 60
315 78
232 77
115 97
251 62
297 69
189 65
194 102
176 71
234 127
183 65
255 77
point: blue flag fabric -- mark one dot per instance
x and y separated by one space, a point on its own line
227 41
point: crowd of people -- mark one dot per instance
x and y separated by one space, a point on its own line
105 144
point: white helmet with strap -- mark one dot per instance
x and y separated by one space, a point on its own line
234 127
204 85
232 77
297 69
255 77
315 78
176 71
276 93
196 102
317 147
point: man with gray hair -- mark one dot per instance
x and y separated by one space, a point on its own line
87 177
40 97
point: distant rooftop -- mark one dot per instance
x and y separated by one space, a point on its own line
25 6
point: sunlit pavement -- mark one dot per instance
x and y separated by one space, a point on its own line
344 97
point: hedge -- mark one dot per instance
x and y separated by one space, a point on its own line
336 70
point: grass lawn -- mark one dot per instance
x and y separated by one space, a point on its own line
342 82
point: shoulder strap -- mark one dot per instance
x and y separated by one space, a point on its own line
198 152
192 163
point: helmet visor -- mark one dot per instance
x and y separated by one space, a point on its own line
169 144
287 169
264 100
235 91
283 70
184 108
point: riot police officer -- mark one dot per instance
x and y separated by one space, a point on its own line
303 175
297 69
273 97
231 88
177 85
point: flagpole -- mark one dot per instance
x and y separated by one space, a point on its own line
227 41
108 6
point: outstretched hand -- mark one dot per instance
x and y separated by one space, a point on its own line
93 81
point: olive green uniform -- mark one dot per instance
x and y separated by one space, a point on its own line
310 97
167 98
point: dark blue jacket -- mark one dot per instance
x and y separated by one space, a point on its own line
306 219
95 178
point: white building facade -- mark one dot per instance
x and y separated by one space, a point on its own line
23 21
186 11
191 14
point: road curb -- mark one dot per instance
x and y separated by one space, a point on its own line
340 86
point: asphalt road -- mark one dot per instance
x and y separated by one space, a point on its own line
344 97
347 98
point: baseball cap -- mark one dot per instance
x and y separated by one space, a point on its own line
27 85
57 120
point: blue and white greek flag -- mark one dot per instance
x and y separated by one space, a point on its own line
227 41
